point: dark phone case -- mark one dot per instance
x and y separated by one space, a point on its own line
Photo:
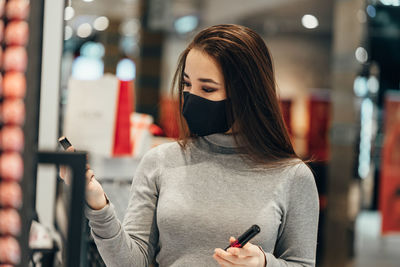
64 142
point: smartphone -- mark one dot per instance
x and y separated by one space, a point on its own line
245 237
64 142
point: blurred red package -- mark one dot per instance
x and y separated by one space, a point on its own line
14 84
13 112
1 30
10 195
17 9
2 4
11 166
10 223
17 33
12 138
1 57
15 58
9 250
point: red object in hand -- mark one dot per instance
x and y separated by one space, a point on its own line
14 85
12 138
10 195
10 223
9 250
11 166
17 9
13 112
17 33
15 59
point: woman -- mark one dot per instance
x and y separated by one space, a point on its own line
233 166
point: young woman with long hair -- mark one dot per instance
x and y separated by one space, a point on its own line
233 166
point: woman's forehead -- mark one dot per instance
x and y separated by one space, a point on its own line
201 65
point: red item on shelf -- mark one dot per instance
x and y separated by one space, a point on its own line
319 110
11 166
17 33
13 111
14 85
15 59
1 30
12 138
122 140
286 107
17 9
2 5
10 195
10 223
1 57
9 250
389 182
156 130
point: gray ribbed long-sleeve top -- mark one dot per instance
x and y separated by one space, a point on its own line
186 203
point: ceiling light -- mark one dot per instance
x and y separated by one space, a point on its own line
186 24
84 30
69 13
361 54
309 21
390 2
101 23
371 11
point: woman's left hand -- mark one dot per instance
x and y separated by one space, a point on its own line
250 256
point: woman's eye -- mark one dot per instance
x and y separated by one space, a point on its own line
208 90
186 84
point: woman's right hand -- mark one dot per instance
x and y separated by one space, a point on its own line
95 196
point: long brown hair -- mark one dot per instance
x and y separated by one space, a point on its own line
246 64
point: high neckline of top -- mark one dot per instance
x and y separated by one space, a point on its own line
221 140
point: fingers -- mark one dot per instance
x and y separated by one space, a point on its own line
70 149
222 261
249 255
65 174
230 258
247 251
89 175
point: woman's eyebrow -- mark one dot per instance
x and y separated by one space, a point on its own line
205 80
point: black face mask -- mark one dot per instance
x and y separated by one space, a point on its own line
203 116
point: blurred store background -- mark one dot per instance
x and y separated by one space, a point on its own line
337 66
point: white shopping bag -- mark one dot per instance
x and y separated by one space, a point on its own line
90 115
